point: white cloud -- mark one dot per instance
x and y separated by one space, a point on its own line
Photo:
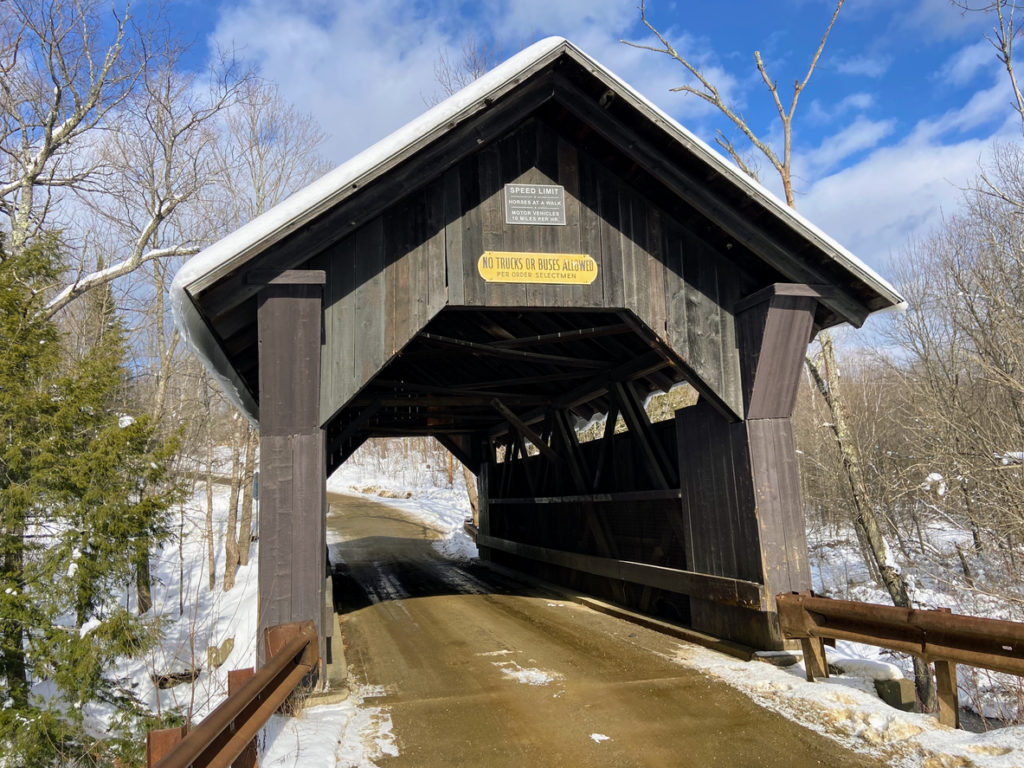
855 102
860 135
361 69
939 20
967 62
896 193
868 65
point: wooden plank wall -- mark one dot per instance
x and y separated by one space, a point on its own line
649 262
385 281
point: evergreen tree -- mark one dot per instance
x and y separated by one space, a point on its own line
82 485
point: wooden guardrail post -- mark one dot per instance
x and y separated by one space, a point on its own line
948 694
159 743
938 636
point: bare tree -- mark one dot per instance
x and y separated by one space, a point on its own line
453 72
1002 38
64 66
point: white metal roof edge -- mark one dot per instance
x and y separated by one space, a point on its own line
307 203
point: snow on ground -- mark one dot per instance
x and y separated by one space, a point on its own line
846 709
192 618
388 472
347 735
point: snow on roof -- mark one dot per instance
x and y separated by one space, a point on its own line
305 205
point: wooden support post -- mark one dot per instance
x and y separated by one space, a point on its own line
159 743
635 416
948 693
815 662
293 550
236 679
607 449
567 438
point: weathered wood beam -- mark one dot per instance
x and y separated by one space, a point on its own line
567 437
563 337
607 448
292 461
392 386
598 498
719 589
525 431
522 381
526 465
509 354
354 426
637 422
445 401
394 431
454 443
261 277
599 385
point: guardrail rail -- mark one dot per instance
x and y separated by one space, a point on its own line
940 637
227 735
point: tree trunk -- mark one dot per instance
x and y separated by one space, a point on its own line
866 520
248 477
143 579
231 560
470 479
211 562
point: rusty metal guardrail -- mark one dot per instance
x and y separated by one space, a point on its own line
940 637
226 736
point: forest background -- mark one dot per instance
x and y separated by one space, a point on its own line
121 157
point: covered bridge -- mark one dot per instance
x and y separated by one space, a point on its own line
542 248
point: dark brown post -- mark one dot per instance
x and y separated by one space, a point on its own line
741 489
293 498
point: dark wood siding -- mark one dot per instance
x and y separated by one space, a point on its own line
384 283
649 262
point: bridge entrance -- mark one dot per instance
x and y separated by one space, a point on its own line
543 250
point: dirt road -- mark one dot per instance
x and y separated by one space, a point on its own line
479 670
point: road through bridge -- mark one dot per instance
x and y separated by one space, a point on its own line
476 667
542 250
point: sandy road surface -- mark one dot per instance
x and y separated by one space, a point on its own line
479 670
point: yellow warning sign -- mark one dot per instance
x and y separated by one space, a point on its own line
548 268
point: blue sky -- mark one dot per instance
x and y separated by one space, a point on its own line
900 114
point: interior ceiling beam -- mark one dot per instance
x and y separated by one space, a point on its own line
392 386
598 386
562 337
422 400
510 354
522 381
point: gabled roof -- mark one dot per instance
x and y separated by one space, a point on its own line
779 227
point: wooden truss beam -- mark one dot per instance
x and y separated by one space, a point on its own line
525 431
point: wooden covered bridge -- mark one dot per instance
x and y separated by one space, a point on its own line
542 248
